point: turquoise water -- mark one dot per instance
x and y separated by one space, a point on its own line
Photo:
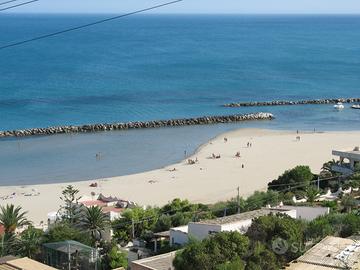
160 67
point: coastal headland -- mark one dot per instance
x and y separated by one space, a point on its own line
205 120
209 179
289 102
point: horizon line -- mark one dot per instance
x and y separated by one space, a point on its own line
190 13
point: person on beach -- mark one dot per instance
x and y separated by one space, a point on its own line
242 166
225 140
237 154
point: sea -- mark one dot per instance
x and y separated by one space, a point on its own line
150 67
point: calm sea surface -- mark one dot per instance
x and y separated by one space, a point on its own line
161 67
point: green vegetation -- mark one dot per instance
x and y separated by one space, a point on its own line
270 242
212 252
268 229
11 218
95 222
226 251
112 257
298 178
275 240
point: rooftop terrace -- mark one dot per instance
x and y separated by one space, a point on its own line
330 253
160 262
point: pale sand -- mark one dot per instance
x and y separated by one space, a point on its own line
209 180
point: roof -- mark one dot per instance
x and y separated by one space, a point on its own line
165 234
242 216
183 229
330 253
7 259
347 154
25 264
160 262
108 209
67 246
93 203
7 267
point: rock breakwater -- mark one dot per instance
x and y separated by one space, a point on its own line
206 120
287 102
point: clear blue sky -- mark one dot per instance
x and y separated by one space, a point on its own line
196 6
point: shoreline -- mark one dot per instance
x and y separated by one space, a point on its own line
207 181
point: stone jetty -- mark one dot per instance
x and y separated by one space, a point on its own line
206 120
287 102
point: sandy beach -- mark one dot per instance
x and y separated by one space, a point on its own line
207 181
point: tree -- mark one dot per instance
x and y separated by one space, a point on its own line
94 221
163 223
273 230
212 252
64 231
297 178
144 220
318 228
327 167
236 264
312 194
260 199
11 218
70 210
117 258
348 202
261 257
350 225
29 244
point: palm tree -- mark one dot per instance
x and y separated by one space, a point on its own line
327 167
312 194
12 218
94 221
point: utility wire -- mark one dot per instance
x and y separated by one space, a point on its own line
7 2
313 181
19 5
87 25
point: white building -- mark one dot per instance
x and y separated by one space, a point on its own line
348 161
308 213
179 235
239 222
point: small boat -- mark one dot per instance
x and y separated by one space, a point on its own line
355 106
339 106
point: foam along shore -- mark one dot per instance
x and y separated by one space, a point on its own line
206 181
288 102
206 120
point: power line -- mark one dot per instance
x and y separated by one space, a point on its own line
313 181
19 5
87 25
7 2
